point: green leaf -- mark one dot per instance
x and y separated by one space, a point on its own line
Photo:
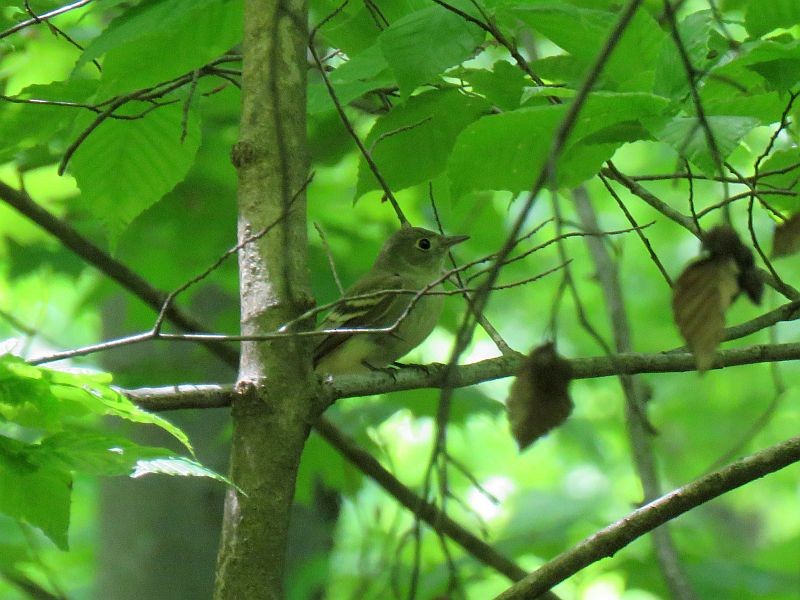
689 138
53 395
671 79
25 397
777 63
411 144
582 32
520 142
35 494
503 85
124 167
157 41
104 400
176 466
767 108
362 73
356 26
93 453
425 43
760 18
788 161
27 125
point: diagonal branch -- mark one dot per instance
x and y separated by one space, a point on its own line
44 17
608 275
613 538
107 264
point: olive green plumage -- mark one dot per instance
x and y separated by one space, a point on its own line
411 259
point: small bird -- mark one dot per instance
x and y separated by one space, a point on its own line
411 259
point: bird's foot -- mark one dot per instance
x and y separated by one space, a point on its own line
427 369
390 370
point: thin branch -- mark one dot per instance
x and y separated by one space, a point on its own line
387 190
613 538
644 194
427 511
639 231
176 397
687 223
690 71
155 332
490 330
329 254
228 253
57 31
45 17
639 430
107 264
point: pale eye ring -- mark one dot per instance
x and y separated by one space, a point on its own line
424 244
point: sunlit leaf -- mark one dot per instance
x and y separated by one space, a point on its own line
425 43
147 157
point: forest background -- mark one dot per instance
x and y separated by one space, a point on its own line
584 145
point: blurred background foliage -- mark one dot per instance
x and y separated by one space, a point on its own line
157 537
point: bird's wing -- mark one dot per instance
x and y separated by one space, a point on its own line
359 313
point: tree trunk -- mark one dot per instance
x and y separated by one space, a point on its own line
272 412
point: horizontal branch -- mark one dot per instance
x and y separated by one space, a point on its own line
613 538
175 397
431 376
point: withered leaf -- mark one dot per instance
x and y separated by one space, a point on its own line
786 240
723 242
702 294
539 397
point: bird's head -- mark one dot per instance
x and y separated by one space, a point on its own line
416 250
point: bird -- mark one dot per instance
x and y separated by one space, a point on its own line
412 259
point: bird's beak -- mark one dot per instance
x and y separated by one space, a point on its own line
451 240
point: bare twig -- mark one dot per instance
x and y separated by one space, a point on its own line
613 538
107 264
639 430
329 254
493 334
639 231
346 121
44 17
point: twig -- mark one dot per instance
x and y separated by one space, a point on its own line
58 31
282 333
490 330
329 254
427 511
187 104
639 429
613 538
45 17
653 256
346 121
690 71
167 304
107 264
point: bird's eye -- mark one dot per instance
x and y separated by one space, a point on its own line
424 244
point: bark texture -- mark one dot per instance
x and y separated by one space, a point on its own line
272 409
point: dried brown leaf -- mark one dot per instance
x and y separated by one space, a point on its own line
786 240
539 397
702 294
721 242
